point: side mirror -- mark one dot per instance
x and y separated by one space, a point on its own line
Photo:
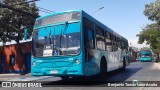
25 34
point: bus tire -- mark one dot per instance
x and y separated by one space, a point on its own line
124 65
103 68
64 77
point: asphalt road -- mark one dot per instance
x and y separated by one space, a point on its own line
136 71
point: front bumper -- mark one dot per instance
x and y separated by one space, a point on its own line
145 59
63 71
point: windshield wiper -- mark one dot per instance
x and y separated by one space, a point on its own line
62 32
60 37
49 35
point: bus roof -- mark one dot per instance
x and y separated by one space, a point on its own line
89 17
97 22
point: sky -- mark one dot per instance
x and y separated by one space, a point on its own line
123 16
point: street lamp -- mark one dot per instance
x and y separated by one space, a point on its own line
98 10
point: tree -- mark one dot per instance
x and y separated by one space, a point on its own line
151 32
152 11
13 22
14 19
151 35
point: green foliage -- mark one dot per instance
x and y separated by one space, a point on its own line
12 23
149 34
152 11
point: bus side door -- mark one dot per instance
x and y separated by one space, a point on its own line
89 43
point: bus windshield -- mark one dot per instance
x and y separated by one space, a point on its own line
145 55
57 40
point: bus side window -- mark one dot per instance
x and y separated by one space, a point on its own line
122 45
116 46
89 34
118 43
89 40
114 43
100 38
108 41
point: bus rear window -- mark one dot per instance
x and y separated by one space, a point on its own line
58 18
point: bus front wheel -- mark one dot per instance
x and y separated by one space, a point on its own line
64 77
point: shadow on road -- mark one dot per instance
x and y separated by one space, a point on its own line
112 77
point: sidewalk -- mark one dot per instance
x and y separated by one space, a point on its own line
9 76
26 77
156 66
32 78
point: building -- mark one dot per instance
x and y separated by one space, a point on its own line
15 58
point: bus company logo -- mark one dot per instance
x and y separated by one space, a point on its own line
6 84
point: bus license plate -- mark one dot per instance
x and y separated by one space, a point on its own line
53 72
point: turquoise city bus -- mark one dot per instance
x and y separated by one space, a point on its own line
145 55
73 43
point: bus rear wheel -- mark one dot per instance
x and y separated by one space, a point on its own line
124 65
64 77
103 68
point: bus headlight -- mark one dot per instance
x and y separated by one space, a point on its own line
77 62
33 64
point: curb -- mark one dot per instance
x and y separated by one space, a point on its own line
12 74
9 74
